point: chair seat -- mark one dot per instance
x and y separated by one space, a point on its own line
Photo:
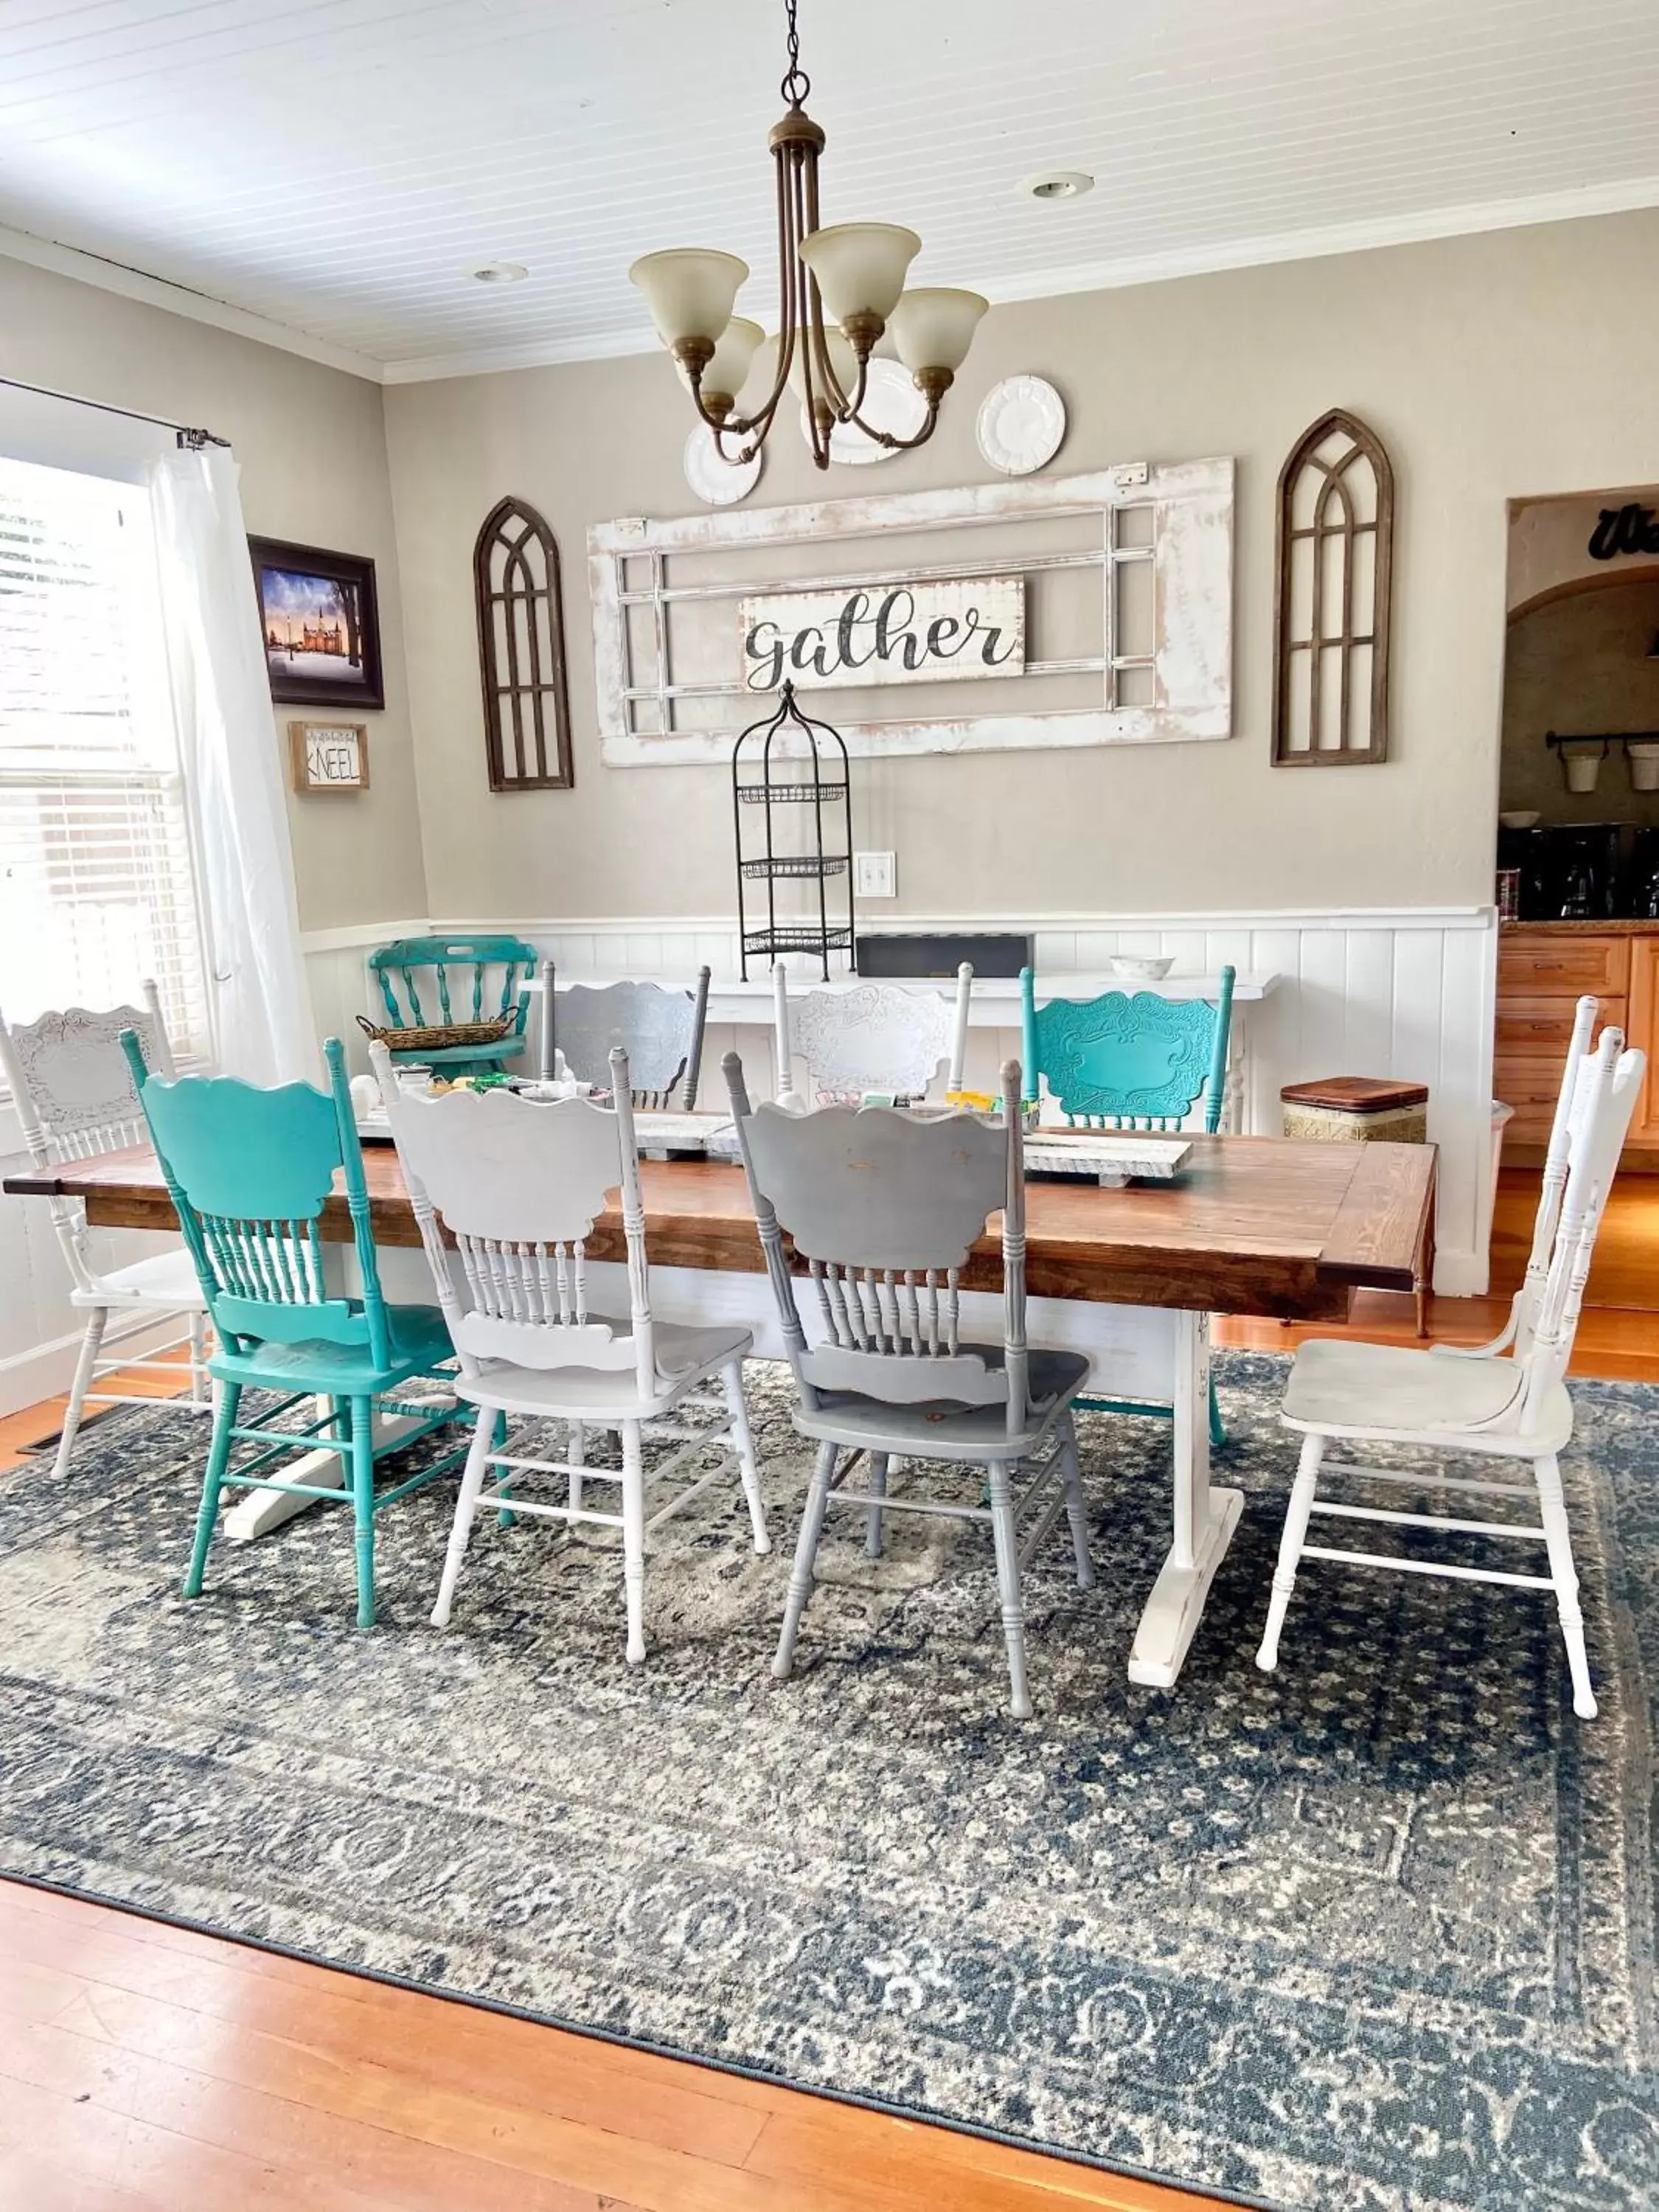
167 1279
419 1341
685 1356
1345 1389
940 1430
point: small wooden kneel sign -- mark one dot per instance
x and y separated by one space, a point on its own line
329 756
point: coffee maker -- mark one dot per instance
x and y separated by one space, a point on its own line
1642 899
1579 872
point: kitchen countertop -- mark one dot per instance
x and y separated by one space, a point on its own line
1616 926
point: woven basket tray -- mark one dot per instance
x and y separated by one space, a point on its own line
438 1036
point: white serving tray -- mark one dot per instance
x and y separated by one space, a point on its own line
1110 1157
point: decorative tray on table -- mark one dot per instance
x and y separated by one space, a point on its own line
1110 1157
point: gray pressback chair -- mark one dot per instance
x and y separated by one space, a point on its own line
661 1032
882 1207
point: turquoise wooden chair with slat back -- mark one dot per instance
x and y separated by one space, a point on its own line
249 1172
1130 1060
436 983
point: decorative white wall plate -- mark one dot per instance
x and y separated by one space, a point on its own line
891 403
716 481
1021 423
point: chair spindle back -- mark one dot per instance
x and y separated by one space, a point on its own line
882 1207
517 1183
1605 1089
660 1031
249 1172
73 1093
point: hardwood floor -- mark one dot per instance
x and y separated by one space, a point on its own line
144 2068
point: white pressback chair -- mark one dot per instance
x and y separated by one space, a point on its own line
1514 1408
73 1090
518 1184
661 1031
883 1206
893 1038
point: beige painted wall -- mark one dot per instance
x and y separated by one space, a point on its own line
311 444
1495 368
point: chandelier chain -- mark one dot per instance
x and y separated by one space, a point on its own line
796 84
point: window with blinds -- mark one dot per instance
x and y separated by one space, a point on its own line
97 885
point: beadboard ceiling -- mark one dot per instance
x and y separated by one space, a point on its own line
337 167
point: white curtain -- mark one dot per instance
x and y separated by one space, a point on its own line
263 1026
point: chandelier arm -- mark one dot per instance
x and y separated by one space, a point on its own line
815 377
893 444
813 301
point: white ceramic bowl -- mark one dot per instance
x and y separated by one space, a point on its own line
1525 818
1142 968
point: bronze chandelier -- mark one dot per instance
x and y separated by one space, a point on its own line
855 270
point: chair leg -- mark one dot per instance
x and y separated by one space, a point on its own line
577 1460
207 1516
466 1505
97 1321
806 1545
633 1504
743 1444
1217 1426
873 1518
201 1383
363 1505
505 1518
1553 1513
1077 1509
1289 1549
1013 1612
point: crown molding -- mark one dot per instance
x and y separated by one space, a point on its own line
179 299
1624 197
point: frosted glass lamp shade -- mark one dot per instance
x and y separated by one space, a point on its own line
734 349
689 291
933 329
860 266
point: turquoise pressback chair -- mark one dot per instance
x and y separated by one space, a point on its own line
431 981
1130 1060
249 1172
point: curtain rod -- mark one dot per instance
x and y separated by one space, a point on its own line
192 438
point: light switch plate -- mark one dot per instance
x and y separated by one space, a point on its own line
874 875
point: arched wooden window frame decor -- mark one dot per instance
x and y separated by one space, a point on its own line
515 574
1335 491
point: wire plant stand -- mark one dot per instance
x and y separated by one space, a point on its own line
780 767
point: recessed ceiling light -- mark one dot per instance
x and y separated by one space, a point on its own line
500 272
1055 184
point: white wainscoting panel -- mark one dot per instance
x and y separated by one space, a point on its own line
1405 993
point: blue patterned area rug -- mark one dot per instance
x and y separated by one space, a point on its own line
1376 1932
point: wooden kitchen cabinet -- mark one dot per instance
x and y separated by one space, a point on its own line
1543 969
1642 1030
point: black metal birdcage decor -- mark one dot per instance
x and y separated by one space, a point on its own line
792 816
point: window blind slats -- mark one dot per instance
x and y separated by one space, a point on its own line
97 887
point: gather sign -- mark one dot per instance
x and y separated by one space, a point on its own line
870 634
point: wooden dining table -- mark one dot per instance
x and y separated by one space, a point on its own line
1250 1226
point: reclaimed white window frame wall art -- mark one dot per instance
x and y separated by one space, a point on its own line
1174 519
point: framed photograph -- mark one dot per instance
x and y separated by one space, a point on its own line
328 756
321 627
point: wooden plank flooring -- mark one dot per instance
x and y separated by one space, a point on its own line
145 2069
